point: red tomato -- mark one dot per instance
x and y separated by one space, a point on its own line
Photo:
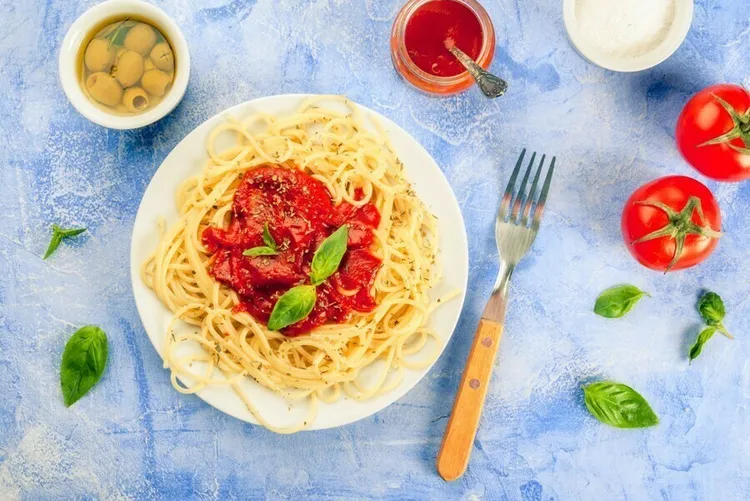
713 132
671 223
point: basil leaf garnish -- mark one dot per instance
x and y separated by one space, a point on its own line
618 405
328 256
260 251
270 249
268 239
293 306
617 301
83 362
702 339
117 37
58 234
711 308
298 302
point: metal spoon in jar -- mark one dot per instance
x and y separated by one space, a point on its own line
490 85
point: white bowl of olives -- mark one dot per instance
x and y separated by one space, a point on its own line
124 64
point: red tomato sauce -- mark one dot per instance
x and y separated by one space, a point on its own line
428 28
300 215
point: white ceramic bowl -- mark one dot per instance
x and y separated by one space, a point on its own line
77 35
683 18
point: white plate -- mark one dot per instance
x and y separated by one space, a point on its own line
188 159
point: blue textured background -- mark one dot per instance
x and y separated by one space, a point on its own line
133 436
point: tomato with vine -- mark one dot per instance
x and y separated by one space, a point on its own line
713 132
671 223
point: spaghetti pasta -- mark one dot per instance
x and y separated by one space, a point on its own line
357 167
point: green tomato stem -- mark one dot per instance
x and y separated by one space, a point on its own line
740 129
680 225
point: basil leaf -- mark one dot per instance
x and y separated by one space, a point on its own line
270 249
617 301
328 256
268 239
702 339
117 36
618 405
58 234
293 306
83 362
53 245
711 308
67 232
260 251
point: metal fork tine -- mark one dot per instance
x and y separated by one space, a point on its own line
520 196
532 193
543 197
505 204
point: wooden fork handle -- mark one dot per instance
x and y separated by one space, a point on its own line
458 440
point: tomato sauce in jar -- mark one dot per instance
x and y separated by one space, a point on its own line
418 41
431 25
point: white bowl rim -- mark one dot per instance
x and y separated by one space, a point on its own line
677 33
69 73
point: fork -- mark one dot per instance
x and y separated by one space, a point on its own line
514 234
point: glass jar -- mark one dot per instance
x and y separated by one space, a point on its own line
431 83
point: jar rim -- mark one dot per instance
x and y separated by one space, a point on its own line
457 82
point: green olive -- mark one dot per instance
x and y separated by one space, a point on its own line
104 88
162 56
140 38
156 82
99 56
129 68
135 99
